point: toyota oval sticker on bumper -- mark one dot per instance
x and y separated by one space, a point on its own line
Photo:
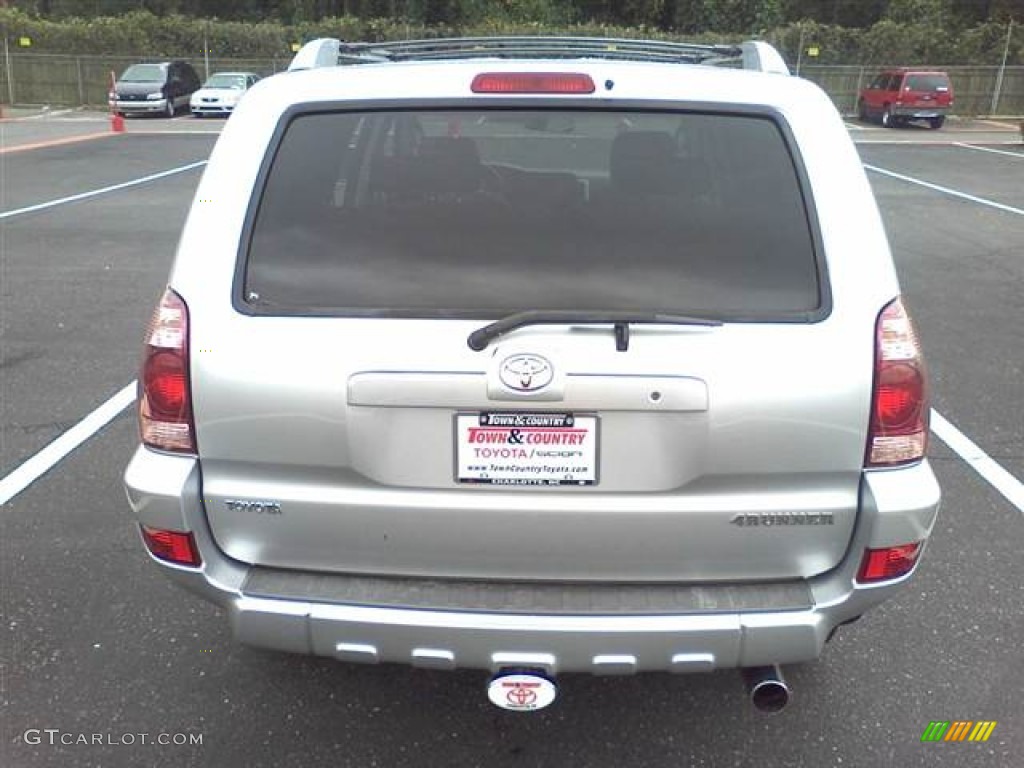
521 692
526 372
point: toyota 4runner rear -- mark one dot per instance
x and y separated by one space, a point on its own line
536 355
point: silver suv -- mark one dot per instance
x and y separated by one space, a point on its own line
535 356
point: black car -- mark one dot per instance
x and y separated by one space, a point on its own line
154 88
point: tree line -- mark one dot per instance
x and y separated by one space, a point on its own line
680 16
866 32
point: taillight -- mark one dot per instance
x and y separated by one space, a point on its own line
888 563
173 546
899 405
532 82
165 399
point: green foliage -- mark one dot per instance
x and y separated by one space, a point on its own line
690 16
920 11
889 43
910 33
743 15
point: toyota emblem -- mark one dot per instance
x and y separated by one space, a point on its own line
526 373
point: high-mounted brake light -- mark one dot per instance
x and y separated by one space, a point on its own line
173 546
888 563
165 398
532 82
899 405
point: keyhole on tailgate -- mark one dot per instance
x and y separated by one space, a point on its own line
655 396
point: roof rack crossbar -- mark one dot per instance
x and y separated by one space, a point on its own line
526 53
520 45
753 55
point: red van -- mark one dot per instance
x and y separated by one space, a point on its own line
898 96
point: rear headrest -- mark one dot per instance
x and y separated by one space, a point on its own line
442 168
456 149
644 162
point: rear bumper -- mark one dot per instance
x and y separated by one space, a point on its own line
920 113
715 626
140 107
212 109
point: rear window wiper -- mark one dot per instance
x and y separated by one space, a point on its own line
481 337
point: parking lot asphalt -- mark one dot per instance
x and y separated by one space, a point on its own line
77 279
960 266
96 642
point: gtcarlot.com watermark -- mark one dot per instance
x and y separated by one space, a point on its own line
55 736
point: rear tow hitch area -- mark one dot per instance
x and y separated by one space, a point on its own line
521 690
767 688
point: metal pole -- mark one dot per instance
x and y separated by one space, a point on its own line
10 74
800 53
856 91
206 51
81 83
1002 70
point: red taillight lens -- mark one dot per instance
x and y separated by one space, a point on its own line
172 546
532 82
899 407
888 563
165 402
166 384
899 397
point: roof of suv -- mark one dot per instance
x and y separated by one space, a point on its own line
751 73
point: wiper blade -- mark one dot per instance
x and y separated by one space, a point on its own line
481 337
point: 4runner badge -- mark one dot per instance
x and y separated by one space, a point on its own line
526 373
770 519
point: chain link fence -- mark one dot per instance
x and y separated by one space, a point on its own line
977 90
67 80
83 81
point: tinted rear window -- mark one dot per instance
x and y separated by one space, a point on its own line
927 82
144 73
486 212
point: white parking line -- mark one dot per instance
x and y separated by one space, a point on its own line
175 132
1000 123
1018 155
990 470
48 113
945 190
981 462
101 191
46 459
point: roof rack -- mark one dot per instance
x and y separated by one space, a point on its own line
328 52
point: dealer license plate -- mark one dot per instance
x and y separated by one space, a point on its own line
512 448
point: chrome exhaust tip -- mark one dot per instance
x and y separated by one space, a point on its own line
767 688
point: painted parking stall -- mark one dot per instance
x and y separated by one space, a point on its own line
89 649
